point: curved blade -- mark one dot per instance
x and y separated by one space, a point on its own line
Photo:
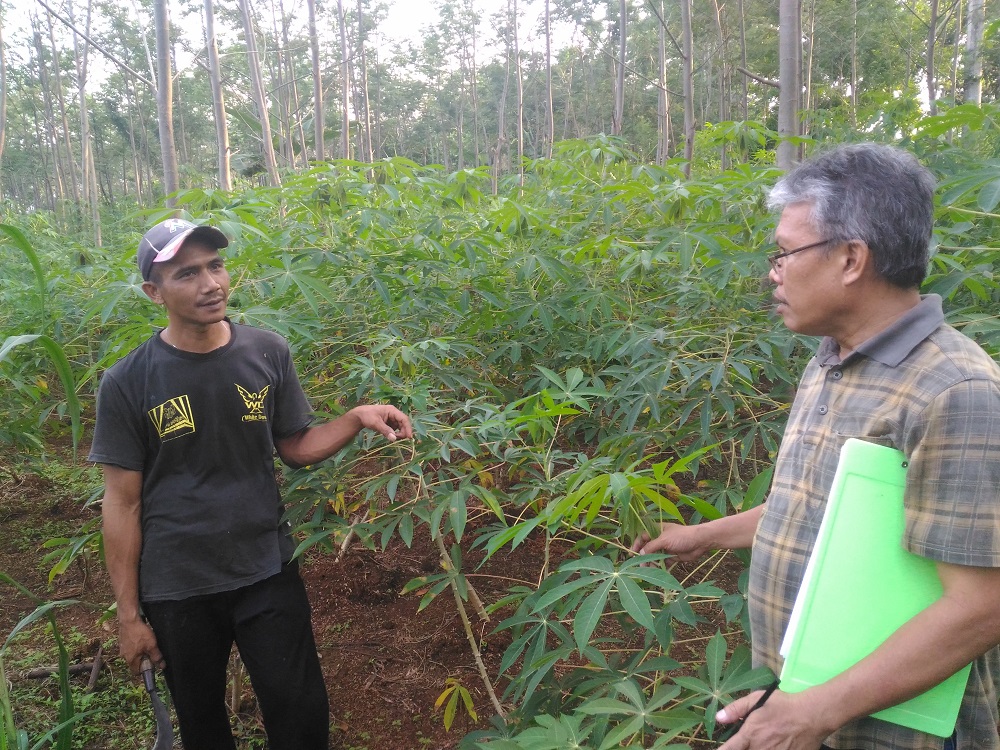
164 729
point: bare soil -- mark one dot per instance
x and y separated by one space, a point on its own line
385 663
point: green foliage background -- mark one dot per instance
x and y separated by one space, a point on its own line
584 355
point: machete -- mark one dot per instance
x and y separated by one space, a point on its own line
164 729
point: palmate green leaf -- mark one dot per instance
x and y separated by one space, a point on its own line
589 614
610 706
596 563
636 567
562 591
634 601
458 513
715 659
626 729
707 510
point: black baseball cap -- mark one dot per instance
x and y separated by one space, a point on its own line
162 242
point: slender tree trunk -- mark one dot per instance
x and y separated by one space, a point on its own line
549 112
52 189
3 99
50 139
688 78
723 58
618 117
165 102
474 88
958 50
974 53
318 123
68 138
185 142
790 73
280 87
218 100
345 81
745 106
931 44
257 80
854 64
90 188
520 97
501 147
806 104
136 157
663 96
365 104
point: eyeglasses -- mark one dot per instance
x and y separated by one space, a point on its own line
774 258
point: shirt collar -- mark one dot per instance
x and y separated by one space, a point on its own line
893 344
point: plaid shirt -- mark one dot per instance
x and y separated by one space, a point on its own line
924 388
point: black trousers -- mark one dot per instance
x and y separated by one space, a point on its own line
271 626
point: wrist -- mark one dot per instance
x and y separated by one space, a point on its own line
130 616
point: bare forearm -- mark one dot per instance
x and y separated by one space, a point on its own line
122 546
315 444
731 532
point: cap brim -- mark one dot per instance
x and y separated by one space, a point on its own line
214 236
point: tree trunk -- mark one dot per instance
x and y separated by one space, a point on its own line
501 147
663 97
790 74
136 156
619 114
366 122
280 87
549 112
931 43
688 77
3 99
805 103
474 88
974 53
745 105
48 123
723 57
165 102
218 101
854 64
257 80
67 138
89 171
958 51
318 123
345 89
520 97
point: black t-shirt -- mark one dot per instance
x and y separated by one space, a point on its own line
201 429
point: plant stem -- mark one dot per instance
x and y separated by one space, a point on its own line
467 624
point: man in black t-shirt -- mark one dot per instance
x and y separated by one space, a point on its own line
187 427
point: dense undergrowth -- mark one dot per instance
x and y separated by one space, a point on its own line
584 355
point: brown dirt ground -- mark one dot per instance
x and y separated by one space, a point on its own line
385 664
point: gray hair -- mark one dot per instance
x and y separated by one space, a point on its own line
879 194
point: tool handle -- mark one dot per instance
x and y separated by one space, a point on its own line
148 679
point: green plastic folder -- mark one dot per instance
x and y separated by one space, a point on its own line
861 585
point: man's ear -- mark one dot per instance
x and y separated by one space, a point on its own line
151 290
857 260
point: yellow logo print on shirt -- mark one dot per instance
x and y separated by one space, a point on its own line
173 418
254 403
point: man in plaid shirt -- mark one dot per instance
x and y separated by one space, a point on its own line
852 249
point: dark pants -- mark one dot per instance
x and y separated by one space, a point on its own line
270 624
